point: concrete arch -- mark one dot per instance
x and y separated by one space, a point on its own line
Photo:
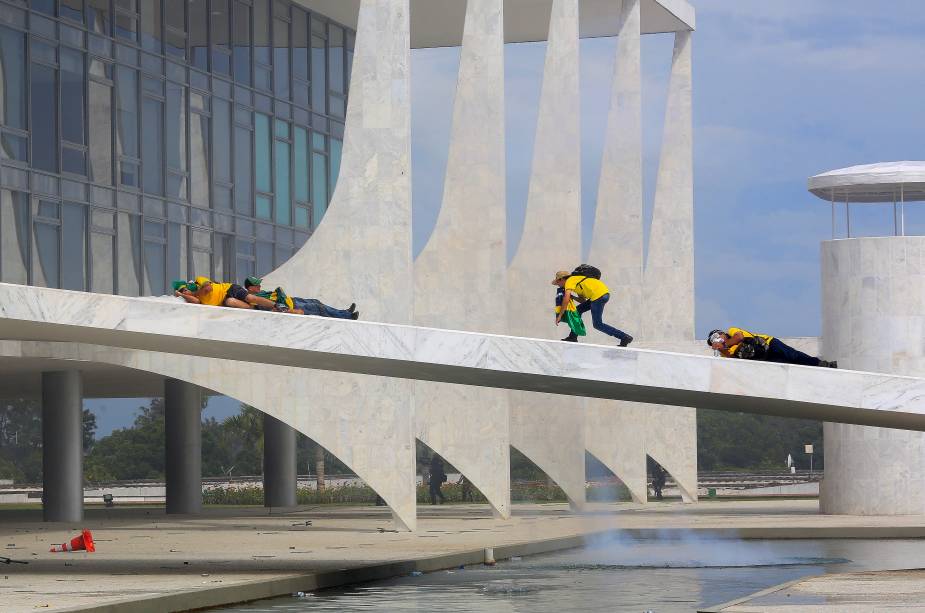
281 392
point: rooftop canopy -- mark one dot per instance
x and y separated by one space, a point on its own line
872 183
439 23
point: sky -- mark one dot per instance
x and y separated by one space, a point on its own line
782 91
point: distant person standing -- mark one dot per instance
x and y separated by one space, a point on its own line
437 477
585 286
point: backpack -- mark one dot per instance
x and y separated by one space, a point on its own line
752 348
586 270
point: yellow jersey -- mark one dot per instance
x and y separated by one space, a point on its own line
216 297
730 351
586 287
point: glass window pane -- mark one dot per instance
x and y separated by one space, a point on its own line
199 33
221 38
129 174
127 111
74 246
283 199
281 129
46 254
243 172
151 26
72 96
126 27
14 248
336 59
262 149
199 159
102 262
301 164
98 16
264 207
13 81
43 6
14 147
262 31
100 133
281 58
202 263
319 71
176 252
301 217
176 126
176 17
264 258
152 135
155 269
319 186
129 260
221 147
44 133
73 161
299 44
242 43
337 148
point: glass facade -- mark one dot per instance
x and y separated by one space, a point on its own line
147 140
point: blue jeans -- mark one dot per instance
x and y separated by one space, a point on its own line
781 352
597 317
316 307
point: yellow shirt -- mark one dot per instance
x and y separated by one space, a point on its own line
730 351
216 297
586 287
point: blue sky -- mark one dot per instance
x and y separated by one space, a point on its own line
782 91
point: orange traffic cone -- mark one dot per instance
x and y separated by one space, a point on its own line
82 542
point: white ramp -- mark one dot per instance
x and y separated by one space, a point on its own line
468 358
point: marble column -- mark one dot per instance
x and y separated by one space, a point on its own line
183 447
279 463
615 431
873 319
549 429
361 252
62 446
460 276
668 288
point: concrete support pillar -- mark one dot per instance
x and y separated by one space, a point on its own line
549 429
469 426
62 446
872 305
279 463
183 433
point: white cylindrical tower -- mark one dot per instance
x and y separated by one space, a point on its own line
873 318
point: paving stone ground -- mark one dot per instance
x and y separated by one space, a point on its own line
143 554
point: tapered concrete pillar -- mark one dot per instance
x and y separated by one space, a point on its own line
549 429
279 463
183 433
62 446
465 261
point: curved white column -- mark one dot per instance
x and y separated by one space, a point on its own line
668 288
459 277
550 429
361 252
615 432
873 317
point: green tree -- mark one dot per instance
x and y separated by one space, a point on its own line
233 446
743 441
136 452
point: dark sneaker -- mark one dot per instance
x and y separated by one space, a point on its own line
626 341
355 315
571 338
832 364
353 307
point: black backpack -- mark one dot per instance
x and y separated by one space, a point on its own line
752 348
586 270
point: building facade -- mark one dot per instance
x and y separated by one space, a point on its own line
149 140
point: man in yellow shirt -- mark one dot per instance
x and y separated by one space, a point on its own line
593 296
729 344
209 293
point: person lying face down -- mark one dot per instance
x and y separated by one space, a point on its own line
740 343
204 291
299 306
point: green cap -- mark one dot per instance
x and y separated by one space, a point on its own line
190 285
252 281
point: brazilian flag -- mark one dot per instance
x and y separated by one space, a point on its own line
574 321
